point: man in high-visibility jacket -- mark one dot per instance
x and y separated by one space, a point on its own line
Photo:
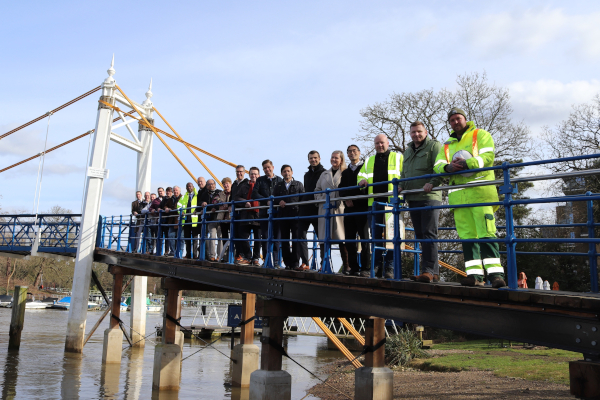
189 200
472 148
385 165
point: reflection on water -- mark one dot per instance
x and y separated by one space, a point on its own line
42 370
11 371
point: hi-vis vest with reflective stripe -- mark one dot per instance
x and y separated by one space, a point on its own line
481 145
394 170
182 203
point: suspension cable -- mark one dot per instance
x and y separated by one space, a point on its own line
38 183
53 111
61 145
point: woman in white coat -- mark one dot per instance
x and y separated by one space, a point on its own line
330 179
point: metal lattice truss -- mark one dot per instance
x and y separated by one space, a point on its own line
50 233
216 316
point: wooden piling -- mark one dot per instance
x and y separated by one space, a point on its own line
248 306
18 317
375 333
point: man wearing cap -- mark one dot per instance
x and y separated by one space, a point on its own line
472 148
419 157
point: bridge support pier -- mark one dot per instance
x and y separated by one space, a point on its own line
139 290
585 379
270 382
167 355
374 380
113 337
246 353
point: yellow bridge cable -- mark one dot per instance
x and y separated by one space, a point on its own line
156 133
53 111
167 134
59 146
330 335
443 264
188 147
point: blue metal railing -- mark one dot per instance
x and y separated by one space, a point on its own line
46 233
510 240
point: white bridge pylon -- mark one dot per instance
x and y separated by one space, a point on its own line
96 173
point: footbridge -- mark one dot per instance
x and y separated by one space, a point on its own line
135 247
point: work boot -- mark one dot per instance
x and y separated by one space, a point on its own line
389 273
471 280
497 282
425 277
365 273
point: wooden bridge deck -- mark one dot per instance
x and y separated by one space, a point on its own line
557 319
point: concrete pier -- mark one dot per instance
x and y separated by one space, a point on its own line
270 382
113 337
138 310
167 355
374 381
18 317
246 353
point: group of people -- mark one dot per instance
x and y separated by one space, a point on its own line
467 148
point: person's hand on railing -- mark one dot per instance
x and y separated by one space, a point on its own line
349 203
203 204
282 204
247 205
427 188
363 183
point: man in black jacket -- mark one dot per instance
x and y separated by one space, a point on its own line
355 225
164 220
136 210
243 229
205 197
311 177
239 179
289 186
266 186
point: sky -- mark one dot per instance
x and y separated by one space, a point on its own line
249 81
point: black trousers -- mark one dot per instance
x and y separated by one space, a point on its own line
303 226
264 232
289 254
354 226
426 227
244 246
188 235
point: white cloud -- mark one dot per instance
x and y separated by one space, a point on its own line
519 31
116 189
547 102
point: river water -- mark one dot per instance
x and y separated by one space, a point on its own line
41 369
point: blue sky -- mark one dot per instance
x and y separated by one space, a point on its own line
255 80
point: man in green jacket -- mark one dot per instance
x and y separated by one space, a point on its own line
419 158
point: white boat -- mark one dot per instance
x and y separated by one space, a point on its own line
36 305
5 301
66 302
153 308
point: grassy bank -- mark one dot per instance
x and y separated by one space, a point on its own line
536 364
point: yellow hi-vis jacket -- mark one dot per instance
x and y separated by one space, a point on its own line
481 145
182 203
394 170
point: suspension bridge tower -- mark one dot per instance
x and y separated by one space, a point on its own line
96 174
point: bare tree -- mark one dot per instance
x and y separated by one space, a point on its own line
577 135
486 104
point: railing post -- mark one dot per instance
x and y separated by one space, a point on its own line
131 234
315 248
373 236
592 246
120 227
397 237
203 236
327 240
511 253
178 249
159 241
417 267
67 232
110 241
269 256
231 252
144 234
